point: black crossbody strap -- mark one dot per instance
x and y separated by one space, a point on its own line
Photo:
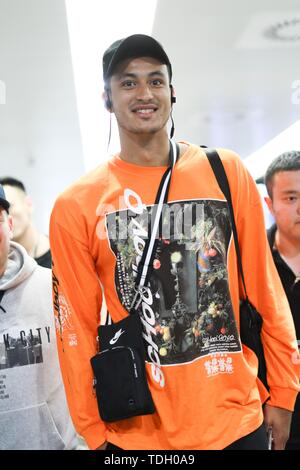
2 292
221 177
152 240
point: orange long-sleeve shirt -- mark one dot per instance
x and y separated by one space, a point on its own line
202 381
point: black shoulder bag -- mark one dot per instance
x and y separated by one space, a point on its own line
250 319
119 369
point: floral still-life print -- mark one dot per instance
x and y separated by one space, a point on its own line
188 279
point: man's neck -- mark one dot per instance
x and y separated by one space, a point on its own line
145 150
29 240
289 250
35 243
287 246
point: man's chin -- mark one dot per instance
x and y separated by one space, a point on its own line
149 131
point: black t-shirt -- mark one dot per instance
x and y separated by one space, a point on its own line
288 278
45 259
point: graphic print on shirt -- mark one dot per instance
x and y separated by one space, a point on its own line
62 312
187 306
23 348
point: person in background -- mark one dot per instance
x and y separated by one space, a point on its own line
25 233
203 382
283 183
33 408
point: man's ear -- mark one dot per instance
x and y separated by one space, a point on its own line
269 203
10 226
107 101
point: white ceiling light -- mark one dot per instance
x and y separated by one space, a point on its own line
286 30
93 25
271 30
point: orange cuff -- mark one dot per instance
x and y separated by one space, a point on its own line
283 398
94 435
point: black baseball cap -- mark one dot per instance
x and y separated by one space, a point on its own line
137 45
3 201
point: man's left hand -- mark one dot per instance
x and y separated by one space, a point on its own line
279 420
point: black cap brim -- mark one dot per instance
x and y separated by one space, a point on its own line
4 204
137 45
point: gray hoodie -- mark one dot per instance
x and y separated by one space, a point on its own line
33 408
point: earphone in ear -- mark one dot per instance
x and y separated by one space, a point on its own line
173 97
173 100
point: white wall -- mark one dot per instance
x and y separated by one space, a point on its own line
40 140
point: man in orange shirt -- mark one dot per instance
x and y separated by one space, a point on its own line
202 380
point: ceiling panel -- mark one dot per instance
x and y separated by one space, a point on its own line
234 82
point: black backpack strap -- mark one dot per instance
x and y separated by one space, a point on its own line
250 319
221 177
